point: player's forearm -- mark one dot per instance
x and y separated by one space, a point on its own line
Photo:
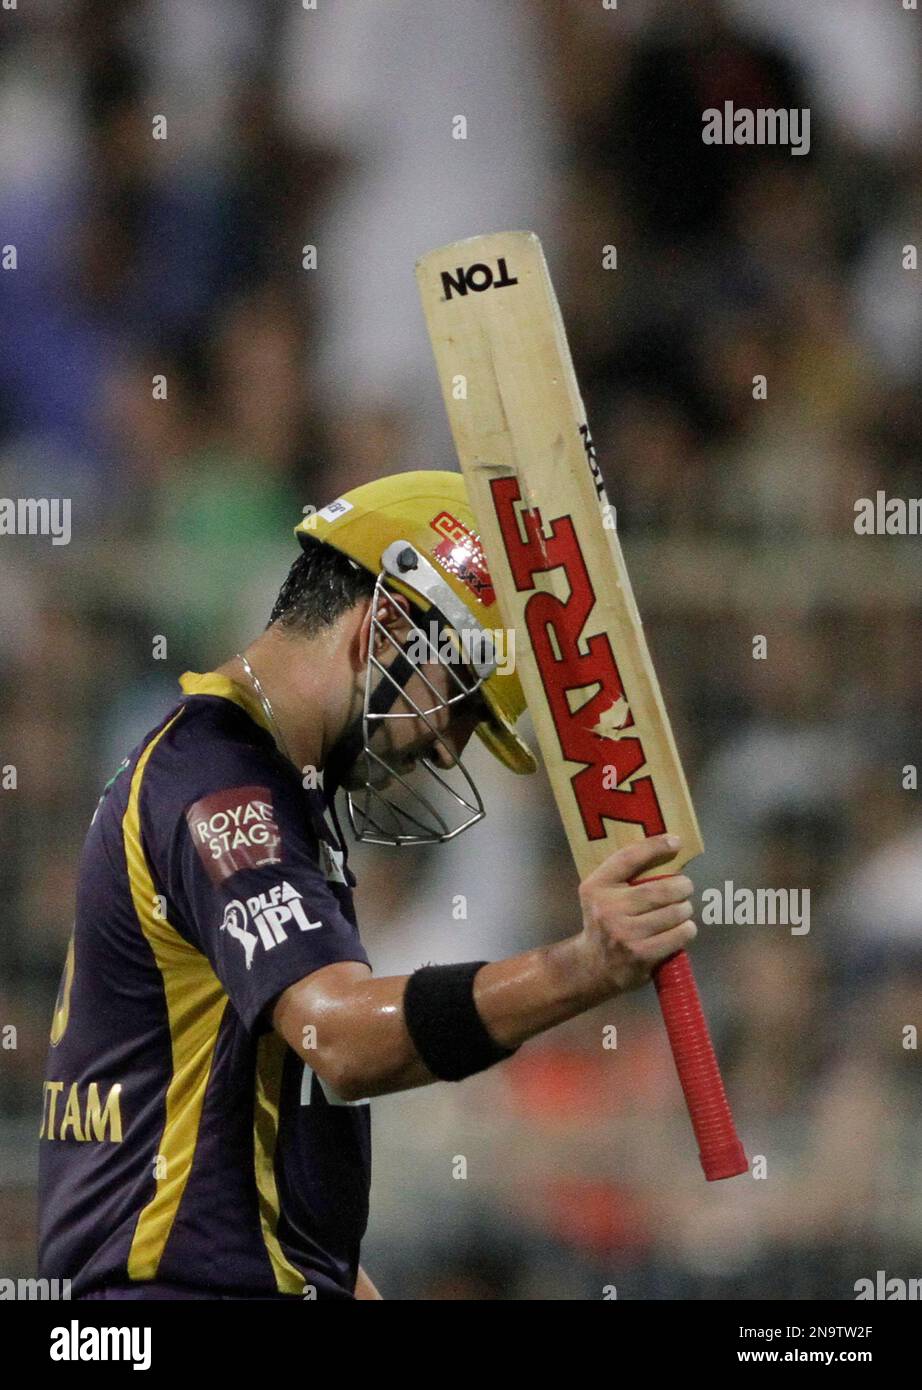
365 1049
527 994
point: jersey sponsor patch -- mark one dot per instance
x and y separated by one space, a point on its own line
269 913
235 829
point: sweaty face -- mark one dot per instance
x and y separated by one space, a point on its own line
444 736
400 742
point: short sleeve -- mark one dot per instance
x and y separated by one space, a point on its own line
244 869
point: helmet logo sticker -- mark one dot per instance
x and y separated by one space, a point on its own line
334 509
460 553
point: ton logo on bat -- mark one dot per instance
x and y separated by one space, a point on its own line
478 277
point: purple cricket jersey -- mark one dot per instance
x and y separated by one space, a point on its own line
183 1142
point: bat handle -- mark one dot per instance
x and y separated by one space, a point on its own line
721 1153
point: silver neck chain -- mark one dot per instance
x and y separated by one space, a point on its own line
267 707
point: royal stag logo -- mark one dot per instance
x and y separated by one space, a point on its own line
555 627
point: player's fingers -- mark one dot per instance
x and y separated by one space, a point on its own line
662 919
632 861
655 892
658 948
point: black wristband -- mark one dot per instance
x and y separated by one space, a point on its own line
443 1022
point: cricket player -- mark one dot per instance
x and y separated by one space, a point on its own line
218 1031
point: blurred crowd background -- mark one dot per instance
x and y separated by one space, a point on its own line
289 127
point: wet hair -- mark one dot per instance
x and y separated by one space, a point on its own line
322 584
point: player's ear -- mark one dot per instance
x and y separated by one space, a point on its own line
391 615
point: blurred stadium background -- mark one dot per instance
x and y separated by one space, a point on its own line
289 127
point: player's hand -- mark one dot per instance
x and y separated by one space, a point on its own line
630 928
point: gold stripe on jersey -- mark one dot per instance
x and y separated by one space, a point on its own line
270 1059
62 1004
195 1003
213 683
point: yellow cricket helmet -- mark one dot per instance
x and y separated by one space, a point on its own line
428 510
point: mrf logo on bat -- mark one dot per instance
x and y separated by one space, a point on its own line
555 627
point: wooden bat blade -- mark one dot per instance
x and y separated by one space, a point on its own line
549 534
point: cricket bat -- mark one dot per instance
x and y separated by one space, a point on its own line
555 559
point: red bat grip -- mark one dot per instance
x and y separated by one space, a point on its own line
721 1153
